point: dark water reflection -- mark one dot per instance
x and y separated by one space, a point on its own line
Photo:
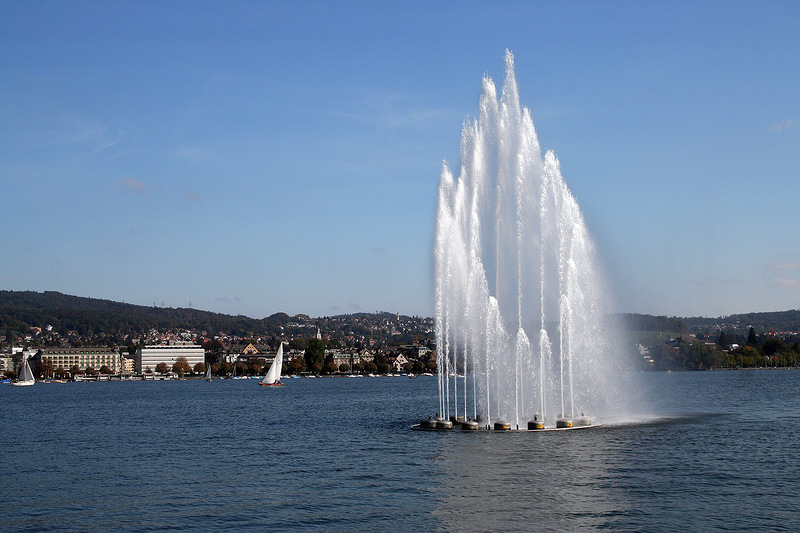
338 455
724 457
522 482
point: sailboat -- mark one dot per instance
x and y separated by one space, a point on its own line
26 377
234 376
273 376
208 371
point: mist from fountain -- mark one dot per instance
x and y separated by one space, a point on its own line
521 310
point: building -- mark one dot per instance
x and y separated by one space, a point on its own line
83 358
398 363
128 365
6 364
244 352
151 355
349 358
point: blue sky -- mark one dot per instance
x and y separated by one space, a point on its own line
257 157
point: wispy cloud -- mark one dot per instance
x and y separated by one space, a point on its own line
352 307
783 274
783 266
192 197
703 282
192 154
393 110
708 282
132 183
786 124
786 282
83 136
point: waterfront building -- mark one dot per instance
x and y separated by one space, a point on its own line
128 365
349 357
398 363
151 355
83 358
6 364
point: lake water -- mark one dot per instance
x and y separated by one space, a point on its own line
337 455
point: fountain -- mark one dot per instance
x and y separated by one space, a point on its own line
521 314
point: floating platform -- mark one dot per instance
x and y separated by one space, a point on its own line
418 427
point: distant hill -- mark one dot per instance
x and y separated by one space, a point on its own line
21 310
638 322
778 321
88 316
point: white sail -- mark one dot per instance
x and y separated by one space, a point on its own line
26 377
208 371
274 372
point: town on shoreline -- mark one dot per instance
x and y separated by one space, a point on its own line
66 337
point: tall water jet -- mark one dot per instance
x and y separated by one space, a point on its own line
521 325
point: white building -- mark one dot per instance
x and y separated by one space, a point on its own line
149 356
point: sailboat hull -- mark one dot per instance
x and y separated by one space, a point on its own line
23 383
276 384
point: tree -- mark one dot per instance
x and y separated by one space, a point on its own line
181 366
200 368
723 340
315 353
213 349
381 362
752 340
255 365
162 368
773 345
46 367
225 368
105 370
330 367
298 343
747 355
297 365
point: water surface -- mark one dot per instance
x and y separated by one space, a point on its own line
338 455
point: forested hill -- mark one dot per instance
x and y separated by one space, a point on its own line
778 321
88 316
637 322
19 311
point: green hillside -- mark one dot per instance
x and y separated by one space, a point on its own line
89 316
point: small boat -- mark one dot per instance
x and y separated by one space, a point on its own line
234 376
273 375
26 379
